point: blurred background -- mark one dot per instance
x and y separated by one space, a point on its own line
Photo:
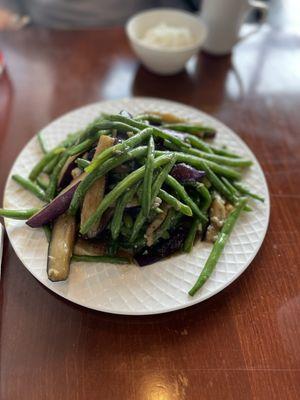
71 14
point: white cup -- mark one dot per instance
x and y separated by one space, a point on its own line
223 20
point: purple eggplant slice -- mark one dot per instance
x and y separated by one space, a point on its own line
90 155
61 247
57 206
65 176
184 173
161 250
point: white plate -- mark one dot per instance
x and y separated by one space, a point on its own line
157 288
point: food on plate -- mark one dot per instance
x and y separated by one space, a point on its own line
135 189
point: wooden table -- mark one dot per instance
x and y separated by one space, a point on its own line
241 344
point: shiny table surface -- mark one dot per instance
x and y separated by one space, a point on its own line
241 344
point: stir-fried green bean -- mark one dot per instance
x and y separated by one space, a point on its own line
86 144
162 176
234 192
218 184
118 126
41 143
224 152
181 192
51 165
147 184
198 143
229 186
227 161
30 186
138 224
189 240
119 148
157 184
39 167
42 183
139 125
18 214
151 118
103 169
223 160
196 224
243 190
200 163
83 146
204 192
116 222
118 190
82 163
218 246
52 188
194 129
175 203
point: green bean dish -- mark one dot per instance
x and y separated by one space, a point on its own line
135 189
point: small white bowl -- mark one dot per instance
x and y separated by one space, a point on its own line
161 60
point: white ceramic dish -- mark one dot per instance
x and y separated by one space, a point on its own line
164 61
157 288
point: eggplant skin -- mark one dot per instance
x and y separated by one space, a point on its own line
66 173
90 154
61 248
184 173
162 249
54 209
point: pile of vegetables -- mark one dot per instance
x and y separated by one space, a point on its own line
135 189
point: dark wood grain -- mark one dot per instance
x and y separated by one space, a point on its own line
241 344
